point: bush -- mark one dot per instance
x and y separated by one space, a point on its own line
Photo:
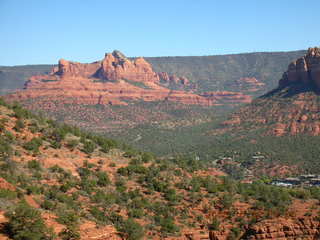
171 196
25 223
226 201
168 225
34 164
136 213
55 144
214 225
33 145
48 205
19 112
8 194
68 218
5 148
147 157
72 144
99 215
103 179
19 125
132 229
70 233
88 147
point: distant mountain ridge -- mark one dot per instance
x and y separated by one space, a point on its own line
209 73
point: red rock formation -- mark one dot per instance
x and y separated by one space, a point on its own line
306 228
304 70
302 228
73 69
249 84
110 81
116 66
166 78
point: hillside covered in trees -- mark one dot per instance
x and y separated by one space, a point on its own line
58 182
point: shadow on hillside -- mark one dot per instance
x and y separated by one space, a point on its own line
291 90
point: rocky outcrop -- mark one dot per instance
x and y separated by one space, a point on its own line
113 67
284 229
67 69
306 228
249 84
305 70
114 80
166 78
291 109
116 66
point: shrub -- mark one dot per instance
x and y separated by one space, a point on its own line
68 218
214 225
98 215
147 157
8 194
103 179
72 144
171 196
34 164
132 229
70 233
88 147
168 225
25 222
48 205
226 201
234 233
5 148
20 112
136 213
33 145
19 125
120 185
55 144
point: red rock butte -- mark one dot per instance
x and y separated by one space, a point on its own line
116 80
113 80
305 70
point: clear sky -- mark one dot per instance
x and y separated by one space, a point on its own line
42 31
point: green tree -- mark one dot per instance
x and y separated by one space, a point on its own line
25 223
132 229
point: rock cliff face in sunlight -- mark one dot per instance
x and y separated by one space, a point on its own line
291 109
114 80
304 70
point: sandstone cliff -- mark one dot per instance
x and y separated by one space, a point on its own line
115 80
277 229
285 229
304 70
291 109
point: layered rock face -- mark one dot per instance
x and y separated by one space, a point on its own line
165 77
304 70
113 67
249 84
277 229
303 228
114 80
116 66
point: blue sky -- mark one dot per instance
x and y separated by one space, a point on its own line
42 31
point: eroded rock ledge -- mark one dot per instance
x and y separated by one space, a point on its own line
115 80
